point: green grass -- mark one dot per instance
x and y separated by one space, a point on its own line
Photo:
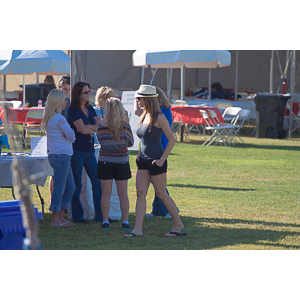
242 197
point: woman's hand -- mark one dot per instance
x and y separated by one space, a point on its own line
158 162
138 156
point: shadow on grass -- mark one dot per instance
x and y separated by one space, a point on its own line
239 221
273 147
214 233
209 187
202 234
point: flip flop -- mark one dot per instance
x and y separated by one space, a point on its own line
175 234
131 234
61 225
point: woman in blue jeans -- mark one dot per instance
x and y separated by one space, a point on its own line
84 121
59 142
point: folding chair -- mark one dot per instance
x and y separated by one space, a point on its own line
226 134
213 126
243 115
222 106
231 113
295 118
36 115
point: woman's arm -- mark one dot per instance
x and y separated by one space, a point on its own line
67 131
137 109
164 125
85 129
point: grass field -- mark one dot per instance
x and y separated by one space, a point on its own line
244 197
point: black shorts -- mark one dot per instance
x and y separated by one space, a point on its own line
143 164
117 171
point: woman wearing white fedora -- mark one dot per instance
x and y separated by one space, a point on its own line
152 160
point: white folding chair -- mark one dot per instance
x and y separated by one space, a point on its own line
225 134
295 118
242 117
222 106
36 115
211 125
230 114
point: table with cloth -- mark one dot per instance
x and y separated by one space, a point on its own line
190 115
18 115
37 169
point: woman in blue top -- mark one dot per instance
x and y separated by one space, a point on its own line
83 119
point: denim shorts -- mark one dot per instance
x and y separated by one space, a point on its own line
153 169
116 171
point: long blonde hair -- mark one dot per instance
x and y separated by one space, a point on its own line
162 98
54 103
151 107
115 116
102 94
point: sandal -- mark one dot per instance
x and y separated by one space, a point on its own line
174 234
131 234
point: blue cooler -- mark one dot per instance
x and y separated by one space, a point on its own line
12 231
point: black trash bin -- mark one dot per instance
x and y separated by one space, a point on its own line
269 115
35 92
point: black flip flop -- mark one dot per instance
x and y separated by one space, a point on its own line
131 234
176 233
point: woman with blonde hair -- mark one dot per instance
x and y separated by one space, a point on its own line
60 137
152 160
115 136
102 94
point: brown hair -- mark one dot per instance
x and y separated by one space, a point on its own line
151 107
162 98
76 92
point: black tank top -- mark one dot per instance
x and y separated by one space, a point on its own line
151 147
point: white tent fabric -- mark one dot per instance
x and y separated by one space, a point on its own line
198 59
42 62
205 59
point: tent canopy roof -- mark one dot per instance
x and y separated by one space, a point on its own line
174 58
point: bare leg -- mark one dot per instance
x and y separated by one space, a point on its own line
61 217
159 183
123 196
56 221
106 186
142 185
51 182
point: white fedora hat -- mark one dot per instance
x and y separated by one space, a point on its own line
146 91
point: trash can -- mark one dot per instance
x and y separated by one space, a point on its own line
12 231
270 114
35 92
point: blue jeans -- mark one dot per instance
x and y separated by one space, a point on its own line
63 187
87 160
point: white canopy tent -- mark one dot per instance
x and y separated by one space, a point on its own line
41 62
204 59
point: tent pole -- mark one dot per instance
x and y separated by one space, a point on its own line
181 103
292 89
181 83
209 84
24 90
142 75
271 71
170 83
236 75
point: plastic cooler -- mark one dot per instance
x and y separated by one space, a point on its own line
12 231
